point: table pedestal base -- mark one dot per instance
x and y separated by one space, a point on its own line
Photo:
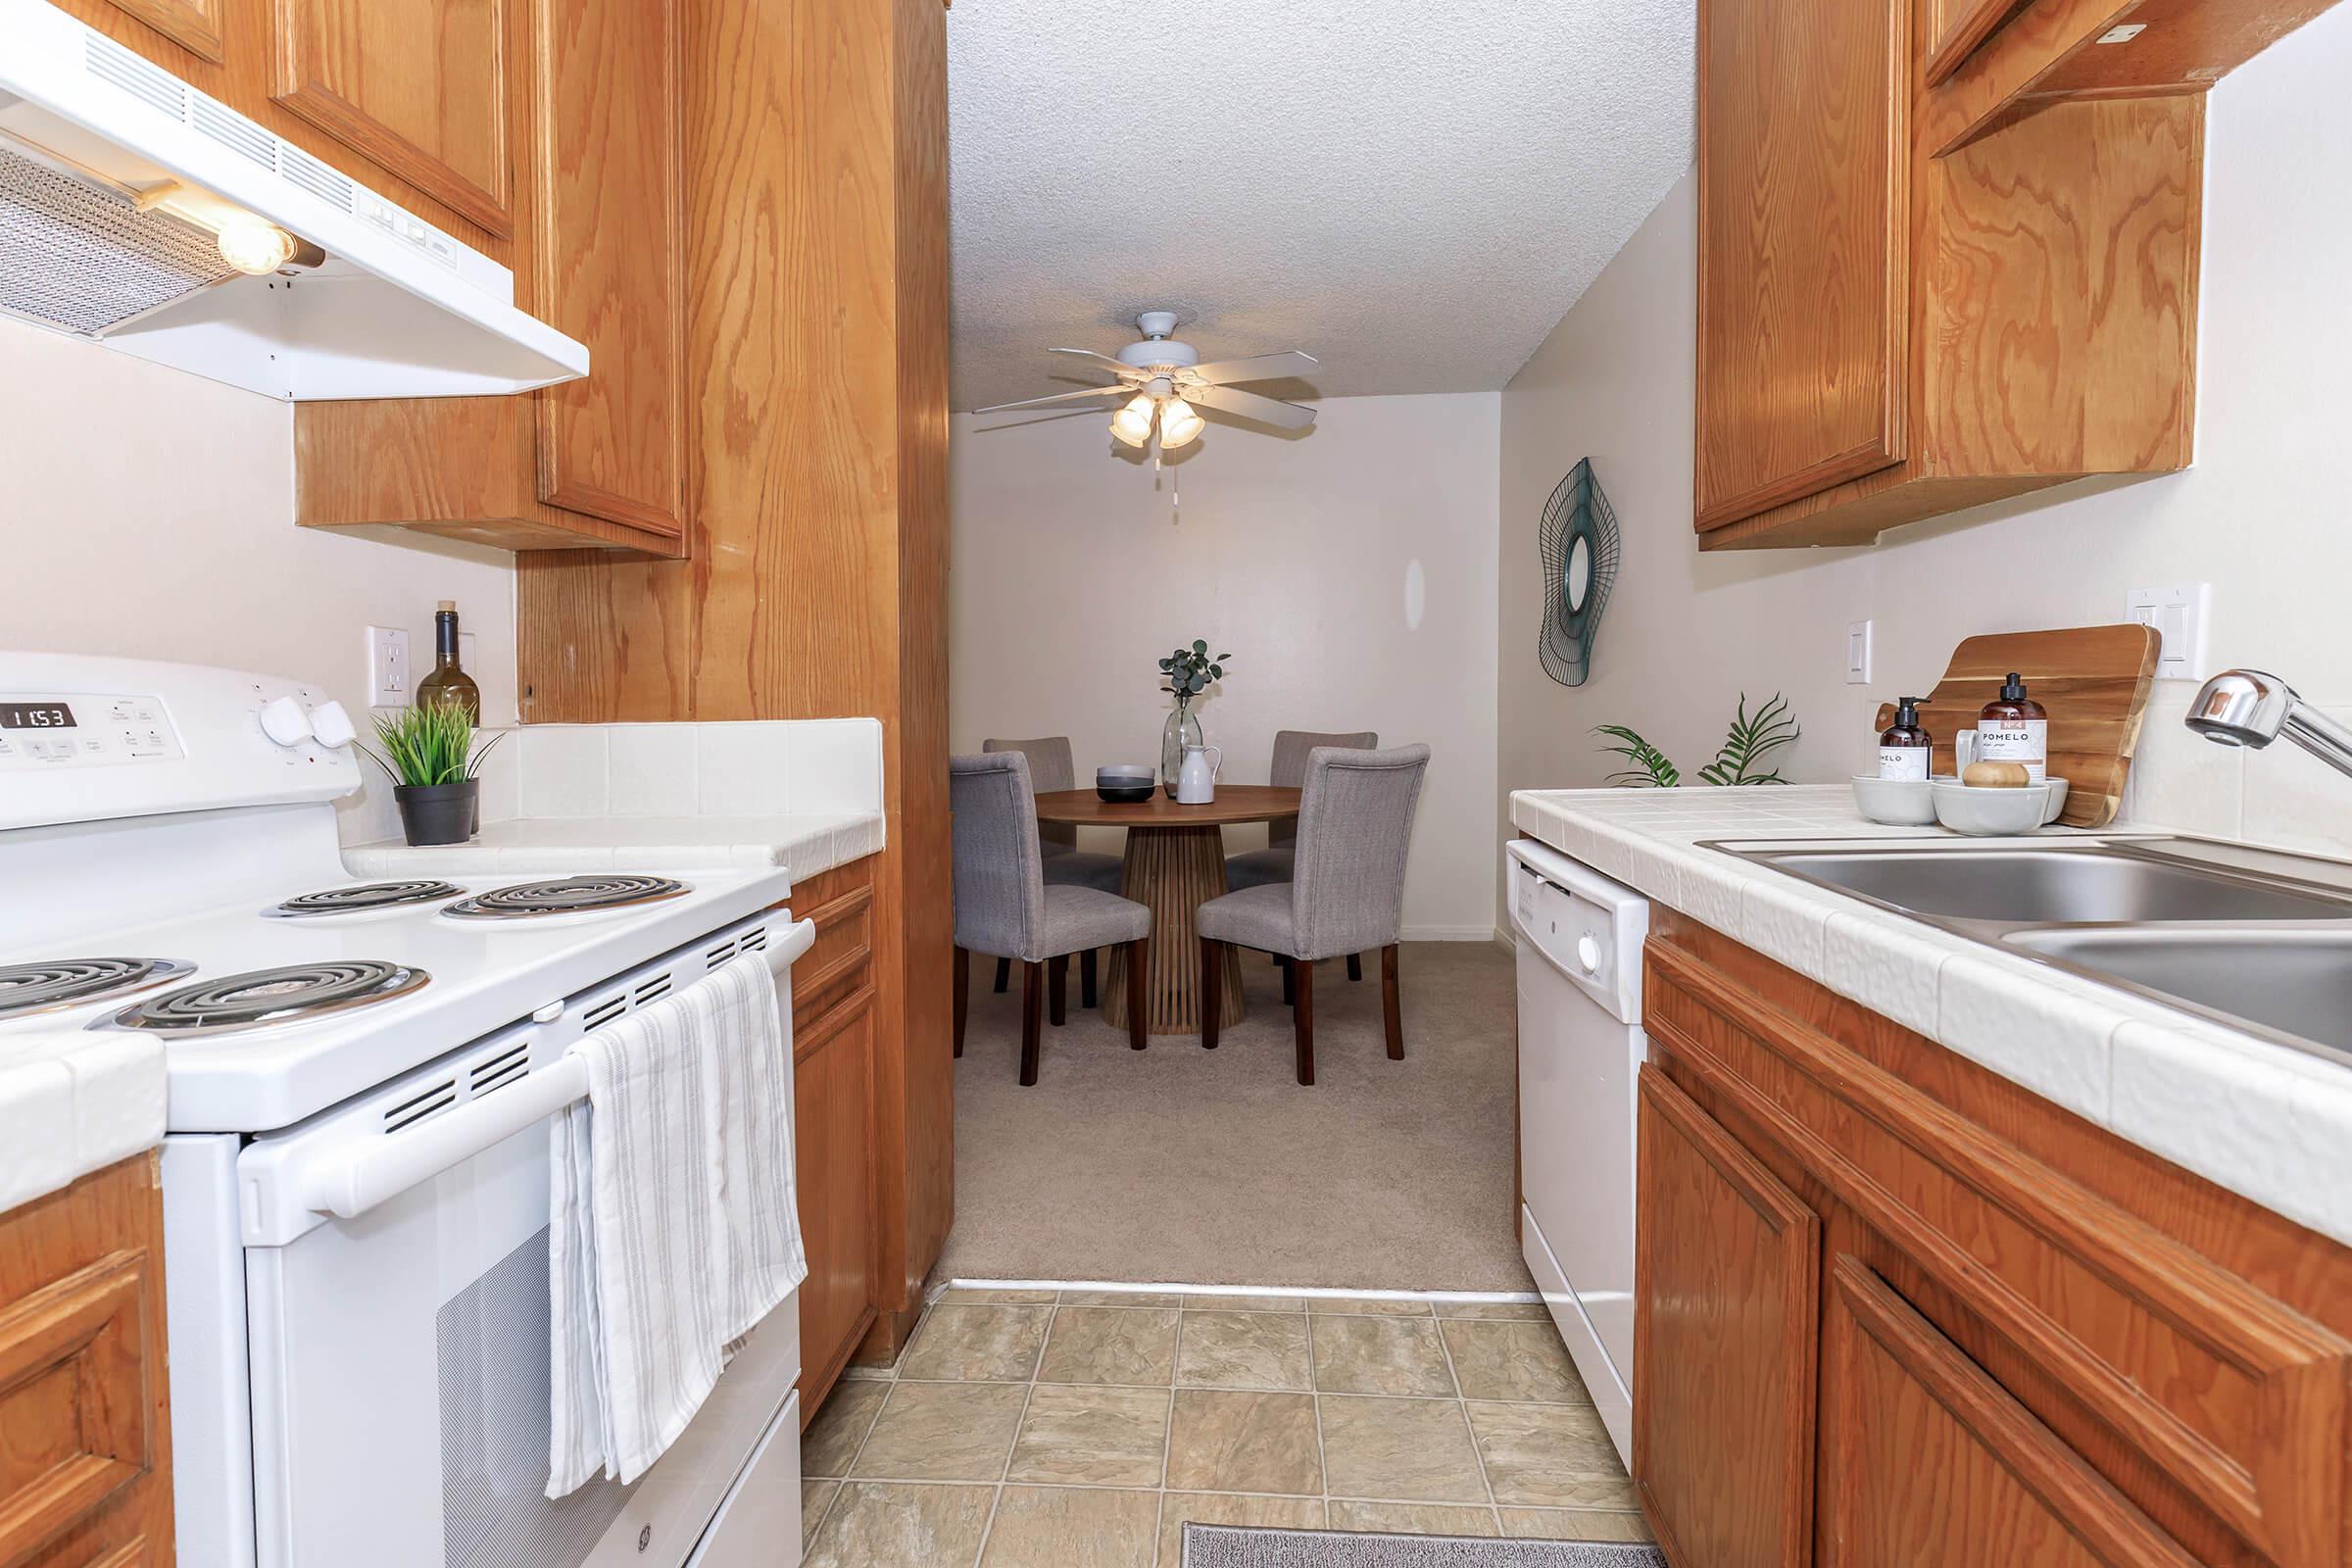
1173 871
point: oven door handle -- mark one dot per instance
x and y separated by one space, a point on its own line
349 1181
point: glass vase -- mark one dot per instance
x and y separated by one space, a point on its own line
1183 730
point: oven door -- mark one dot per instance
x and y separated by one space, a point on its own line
399 1357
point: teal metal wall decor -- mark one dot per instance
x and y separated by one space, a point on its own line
1579 544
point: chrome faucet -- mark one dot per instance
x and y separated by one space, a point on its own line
2251 707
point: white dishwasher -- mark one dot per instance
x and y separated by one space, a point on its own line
1580 1050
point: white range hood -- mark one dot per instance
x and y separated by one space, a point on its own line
124 193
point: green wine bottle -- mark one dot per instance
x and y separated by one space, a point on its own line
449 682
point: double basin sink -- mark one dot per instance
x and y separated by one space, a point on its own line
2257 939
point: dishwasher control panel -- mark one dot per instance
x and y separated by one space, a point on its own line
1589 927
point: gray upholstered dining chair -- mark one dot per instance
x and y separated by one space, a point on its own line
1347 894
1255 868
1051 770
1006 907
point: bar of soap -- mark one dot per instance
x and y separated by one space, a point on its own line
1996 775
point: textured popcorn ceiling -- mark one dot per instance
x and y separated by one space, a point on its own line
1414 192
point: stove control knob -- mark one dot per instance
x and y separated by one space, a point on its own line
284 722
332 725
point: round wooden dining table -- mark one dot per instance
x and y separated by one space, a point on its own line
1175 863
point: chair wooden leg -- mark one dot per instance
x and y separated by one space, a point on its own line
1137 1039
1033 998
1302 1017
1290 993
1355 966
963 994
1086 978
1057 1004
1391 1009
1003 975
1212 990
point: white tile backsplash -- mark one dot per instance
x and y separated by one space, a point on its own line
656 770
563 769
754 768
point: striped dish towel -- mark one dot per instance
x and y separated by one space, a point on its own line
672 1227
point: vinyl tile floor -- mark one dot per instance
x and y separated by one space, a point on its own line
1074 1429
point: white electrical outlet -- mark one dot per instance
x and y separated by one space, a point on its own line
1858 638
388 674
2178 615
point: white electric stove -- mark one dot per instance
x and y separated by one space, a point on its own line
355 1178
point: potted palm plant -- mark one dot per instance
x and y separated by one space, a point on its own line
436 767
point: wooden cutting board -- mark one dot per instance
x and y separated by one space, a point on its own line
2094 680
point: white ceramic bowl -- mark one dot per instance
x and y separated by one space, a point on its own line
2057 789
1991 813
1894 801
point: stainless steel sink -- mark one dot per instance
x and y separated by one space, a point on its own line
2099 883
2296 983
2258 939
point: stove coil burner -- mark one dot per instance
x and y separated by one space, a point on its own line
364 897
570 895
285 994
30 988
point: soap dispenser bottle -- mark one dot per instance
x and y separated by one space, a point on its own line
2015 728
1905 749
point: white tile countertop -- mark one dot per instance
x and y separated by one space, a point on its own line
71 1103
803 844
2265 1121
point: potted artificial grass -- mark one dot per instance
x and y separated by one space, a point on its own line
434 767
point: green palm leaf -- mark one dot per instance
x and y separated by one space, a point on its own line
1748 743
1651 768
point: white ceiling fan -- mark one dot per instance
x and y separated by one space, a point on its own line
1160 381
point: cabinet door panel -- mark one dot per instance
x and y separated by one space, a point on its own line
418 86
1727 1267
1804 253
606 189
1930 1463
833 1132
193 25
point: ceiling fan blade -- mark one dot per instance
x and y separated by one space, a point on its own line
1257 367
1118 367
1250 405
1059 397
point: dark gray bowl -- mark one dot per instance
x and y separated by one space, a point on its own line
1125 794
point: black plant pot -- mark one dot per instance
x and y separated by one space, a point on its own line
438 814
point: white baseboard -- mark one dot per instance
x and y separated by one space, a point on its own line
1448 933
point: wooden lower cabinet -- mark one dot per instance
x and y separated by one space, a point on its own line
1725 1350
1895 1309
833 1124
86 1432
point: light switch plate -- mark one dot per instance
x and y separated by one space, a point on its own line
1858 638
2180 615
388 673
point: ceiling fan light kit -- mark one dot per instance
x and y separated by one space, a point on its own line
1163 379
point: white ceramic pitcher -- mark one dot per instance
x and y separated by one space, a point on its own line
1197 779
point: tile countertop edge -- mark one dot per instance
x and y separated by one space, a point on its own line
803 844
2151 1074
73 1102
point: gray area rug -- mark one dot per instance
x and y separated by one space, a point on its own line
1215 1168
1232 1547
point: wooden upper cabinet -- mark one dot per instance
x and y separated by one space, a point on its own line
605 187
419 86
1929 1462
196 26
1803 291
1726 1263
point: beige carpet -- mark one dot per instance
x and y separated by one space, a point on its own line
1216 1167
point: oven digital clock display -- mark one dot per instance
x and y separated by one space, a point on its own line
35 715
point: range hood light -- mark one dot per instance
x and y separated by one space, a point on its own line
254 247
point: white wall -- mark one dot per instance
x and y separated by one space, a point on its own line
1351 572
149 514
2262 517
